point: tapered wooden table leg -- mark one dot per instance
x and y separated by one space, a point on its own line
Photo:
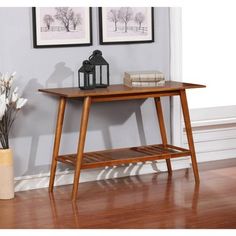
57 139
188 128
162 129
80 150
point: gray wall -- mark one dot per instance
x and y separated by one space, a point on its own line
111 125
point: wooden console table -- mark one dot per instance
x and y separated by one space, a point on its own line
113 157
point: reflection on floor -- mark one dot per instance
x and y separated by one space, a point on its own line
147 201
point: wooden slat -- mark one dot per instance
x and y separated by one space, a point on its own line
177 148
146 151
161 148
157 150
94 158
126 155
68 159
99 156
88 159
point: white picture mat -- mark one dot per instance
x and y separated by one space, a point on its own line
66 40
121 38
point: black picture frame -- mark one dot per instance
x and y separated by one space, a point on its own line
37 43
104 40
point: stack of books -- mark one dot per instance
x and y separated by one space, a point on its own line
144 79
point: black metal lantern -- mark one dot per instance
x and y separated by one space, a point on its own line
101 69
86 76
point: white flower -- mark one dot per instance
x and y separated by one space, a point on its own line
5 76
13 74
6 80
11 79
3 105
20 103
14 95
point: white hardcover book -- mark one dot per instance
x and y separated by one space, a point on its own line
144 75
130 83
148 84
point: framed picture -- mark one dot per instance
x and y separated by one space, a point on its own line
62 26
124 25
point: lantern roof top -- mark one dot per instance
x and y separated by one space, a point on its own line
87 67
97 59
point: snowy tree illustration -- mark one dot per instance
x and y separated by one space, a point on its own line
77 20
139 19
113 17
65 15
125 15
48 20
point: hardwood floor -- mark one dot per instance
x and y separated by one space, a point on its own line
147 201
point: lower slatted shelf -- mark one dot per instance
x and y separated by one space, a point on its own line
126 155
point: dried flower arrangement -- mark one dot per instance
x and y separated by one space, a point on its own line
10 104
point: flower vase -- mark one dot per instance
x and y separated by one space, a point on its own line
6 174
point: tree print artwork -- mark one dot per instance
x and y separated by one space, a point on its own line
126 24
139 18
125 15
62 26
127 19
77 20
113 16
48 20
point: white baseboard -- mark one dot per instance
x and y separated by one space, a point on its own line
214 135
63 178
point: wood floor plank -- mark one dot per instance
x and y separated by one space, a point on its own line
148 201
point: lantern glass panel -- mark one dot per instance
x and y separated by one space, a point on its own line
86 76
101 75
86 80
90 80
81 79
101 69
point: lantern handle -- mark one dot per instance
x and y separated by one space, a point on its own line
95 53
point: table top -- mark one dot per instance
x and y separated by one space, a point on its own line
119 89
